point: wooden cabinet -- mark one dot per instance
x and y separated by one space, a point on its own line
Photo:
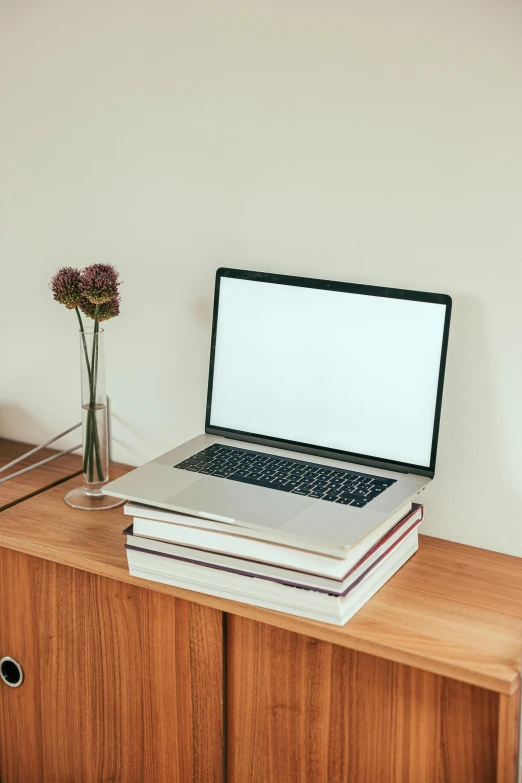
121 683
131 681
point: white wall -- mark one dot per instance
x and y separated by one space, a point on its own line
372 142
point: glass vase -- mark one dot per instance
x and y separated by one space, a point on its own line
94 426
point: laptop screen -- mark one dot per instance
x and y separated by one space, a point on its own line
342 368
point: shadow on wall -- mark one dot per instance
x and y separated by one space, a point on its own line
15 418
133 440
472 479
474 433
203 309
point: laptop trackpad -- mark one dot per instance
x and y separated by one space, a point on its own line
241 503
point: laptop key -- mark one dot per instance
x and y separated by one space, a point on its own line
266 484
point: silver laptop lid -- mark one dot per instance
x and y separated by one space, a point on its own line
340 370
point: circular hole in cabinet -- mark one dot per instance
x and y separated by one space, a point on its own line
11 672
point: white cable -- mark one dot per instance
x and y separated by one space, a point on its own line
42 462
38 448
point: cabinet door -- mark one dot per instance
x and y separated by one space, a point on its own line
304 710
20 715
121 683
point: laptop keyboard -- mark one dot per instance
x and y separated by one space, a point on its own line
287 475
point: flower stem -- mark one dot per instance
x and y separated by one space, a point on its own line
88 434
92 406
92 440
84 343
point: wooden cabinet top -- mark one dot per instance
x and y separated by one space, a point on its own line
452 609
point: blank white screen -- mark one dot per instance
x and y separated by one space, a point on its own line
338 370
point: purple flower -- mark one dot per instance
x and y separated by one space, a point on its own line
99 283
106 310
65 285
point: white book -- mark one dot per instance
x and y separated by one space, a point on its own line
238 542
279 537
250 590
255 567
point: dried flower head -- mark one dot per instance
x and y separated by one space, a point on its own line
65 285
99 283
106 310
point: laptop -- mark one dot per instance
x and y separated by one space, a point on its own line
323 408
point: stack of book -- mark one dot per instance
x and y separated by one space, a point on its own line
300 576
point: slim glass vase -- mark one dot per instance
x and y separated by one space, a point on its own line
95 426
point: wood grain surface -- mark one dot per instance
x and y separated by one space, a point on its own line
508 740
452 610
21 751
35 480
121 684
305 710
